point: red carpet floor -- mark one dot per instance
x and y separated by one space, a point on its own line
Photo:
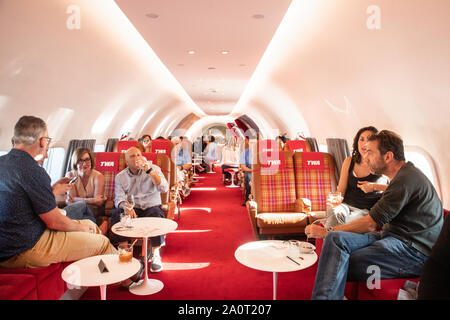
198 259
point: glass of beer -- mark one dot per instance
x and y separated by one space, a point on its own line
125 252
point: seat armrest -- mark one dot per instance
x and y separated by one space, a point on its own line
303 205
252 208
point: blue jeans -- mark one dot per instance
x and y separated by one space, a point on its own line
155 211
348 256
79 211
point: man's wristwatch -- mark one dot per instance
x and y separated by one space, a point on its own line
149 170
329 229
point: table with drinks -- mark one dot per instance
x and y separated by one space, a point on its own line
100 271
145 227
276 256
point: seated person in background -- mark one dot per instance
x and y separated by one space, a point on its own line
211 153
33 232
361 189
183 162
245 162
146 183
282 146
75 211
89 187
230 158
146 141
409 211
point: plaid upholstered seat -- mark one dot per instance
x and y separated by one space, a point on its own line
110 176
314 183
276 209
279 207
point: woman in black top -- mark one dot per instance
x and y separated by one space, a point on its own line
360 189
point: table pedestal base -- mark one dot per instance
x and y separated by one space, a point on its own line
232 185
275 278
147 286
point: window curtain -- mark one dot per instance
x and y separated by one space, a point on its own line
73 144
338 148
313 143
110 144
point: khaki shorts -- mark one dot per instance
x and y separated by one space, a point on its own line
59 246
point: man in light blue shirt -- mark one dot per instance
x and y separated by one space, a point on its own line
146 183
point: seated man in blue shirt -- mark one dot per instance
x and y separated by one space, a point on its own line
33 232
146 183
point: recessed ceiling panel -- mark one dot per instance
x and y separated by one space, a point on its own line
212 47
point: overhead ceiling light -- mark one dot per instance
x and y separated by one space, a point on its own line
152 15
258 16
191 52
225 52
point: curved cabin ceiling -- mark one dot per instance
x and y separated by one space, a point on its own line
321 67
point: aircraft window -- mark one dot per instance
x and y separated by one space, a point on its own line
99 148
421 162
323 148
3 153
54 164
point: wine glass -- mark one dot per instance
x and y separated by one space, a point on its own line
335 198
130 200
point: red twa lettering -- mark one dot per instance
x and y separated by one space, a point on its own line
107 164
273 162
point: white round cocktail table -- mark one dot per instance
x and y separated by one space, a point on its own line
86 273
272 256
232 172
145 228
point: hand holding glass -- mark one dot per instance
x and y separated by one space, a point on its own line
335 198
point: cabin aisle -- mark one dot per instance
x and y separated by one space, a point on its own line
199 261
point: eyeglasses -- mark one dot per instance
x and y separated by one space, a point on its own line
48 139
84 160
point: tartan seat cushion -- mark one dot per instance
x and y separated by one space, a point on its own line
277 186
314 184
274 219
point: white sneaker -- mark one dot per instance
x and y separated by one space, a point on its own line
156 264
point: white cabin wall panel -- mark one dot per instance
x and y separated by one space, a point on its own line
93 71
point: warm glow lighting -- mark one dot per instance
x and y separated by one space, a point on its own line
3 101
185 265
196 129
58 122
190 231
191 52
299 13
203 189
119 28
194 208
225 52
132 121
